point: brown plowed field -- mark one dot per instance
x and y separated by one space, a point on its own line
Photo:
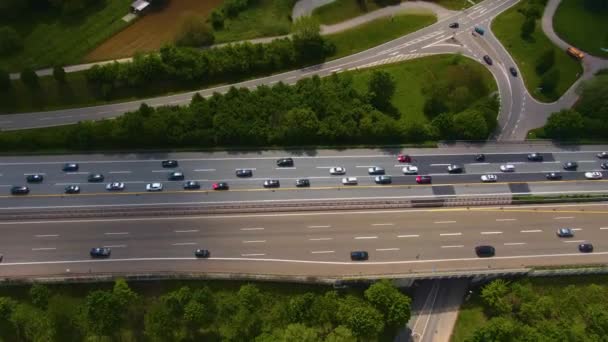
151 31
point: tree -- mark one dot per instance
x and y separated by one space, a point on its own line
10 41
393 304
217 19
565 125
497 329
194 32
527 27
32 324
123 294
30 78
102 313
545 61
470 125
299 333
307 40
299 126
40 296
160 323
340 334
549 81
361 318
5 80
59 74
494 297
381 88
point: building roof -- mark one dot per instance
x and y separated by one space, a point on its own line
139 5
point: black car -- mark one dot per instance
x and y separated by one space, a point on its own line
100 252
454 25
513 71
285 162
272 183
383 179
202 253
480 157
553 176
359 255
535 157
604 165
175 176
70 167
192 185
301 183
95 177
244 173
20 190
36 178
585 247
485 251
454 168
169 163
602 155
571 166
487 59
72 189
221 186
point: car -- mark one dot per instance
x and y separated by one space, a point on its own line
553 176
192 185
70 167
244 173
285 162
585 247
337 171
95 178
154 187
513 71
604 165
383 179
535 157
349 181
404 158
423 179
485 251
359 256
488 60
272 183
410 170
489 178
100 252
169 163
72 189
301 183
454 25
480 157
220 186
1 257
455 168
507 168
202 253
565 232
20 190
176 175
593 175
34 178
602 155
570 166
376 170
479 30
115 186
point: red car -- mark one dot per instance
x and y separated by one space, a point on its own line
220 186
423 179
404 158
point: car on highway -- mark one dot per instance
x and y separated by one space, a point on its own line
480 157
455 168
359 255
244 173
376 170
423 179
272 183
34 178
154 187
570 166
602 155
115 186
192 185
410 170
169 163
604 165
20 190
585 247
553 176
535 157
100 252
95 178
488 60
565 232
383 179
349 181
1 257
337 171
69 167
513 71
285 162
485 251
176 175
220 186
404 158
507 168
593 175
202 253
454 25
489 178
72 189
302 183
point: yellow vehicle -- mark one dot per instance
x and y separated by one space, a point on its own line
576 53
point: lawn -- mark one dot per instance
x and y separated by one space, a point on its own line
457 5
48 39
527 52
470 318
585 29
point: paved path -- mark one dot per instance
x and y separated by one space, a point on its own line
305 7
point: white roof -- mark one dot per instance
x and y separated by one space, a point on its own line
140 5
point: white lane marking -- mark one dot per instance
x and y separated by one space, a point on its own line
115 246
325 167
187 231
383 224
254 241
253 228
587 161
44 249
408 236
117 233
576 229
450 234
253 254
245 168
319 227
440 164
364 166
161 171
505 220
603 228
365 237
531 231
322 252
514 243
563 217
76 173
47 235
453 246
335 70
574 241
286 168
34 173
386 249
320 239
183 244
444 222
490 233
204 170
113 172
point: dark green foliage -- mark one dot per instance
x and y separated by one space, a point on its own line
527 27
39 295
545 62
59 74
10 41
596 5
5 80
217 19
194 32
565 125
387 299
549 81
381 89
30 78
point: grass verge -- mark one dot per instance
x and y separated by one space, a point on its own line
581 27
470 318
341 10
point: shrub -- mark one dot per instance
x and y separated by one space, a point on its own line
30 78
194 32
10 41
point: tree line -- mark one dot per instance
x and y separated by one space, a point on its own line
198 313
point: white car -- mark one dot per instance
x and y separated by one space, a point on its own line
507 168
349 181
116 186
154 187
593 175
410 170
337 171
489 178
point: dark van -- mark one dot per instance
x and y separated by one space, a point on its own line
485 251
359 255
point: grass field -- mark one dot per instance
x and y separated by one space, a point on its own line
151 31
470 317
50 40
457 5
341 10
526 53
582 28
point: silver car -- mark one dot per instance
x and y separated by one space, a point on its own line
337 171
349 181
116 186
